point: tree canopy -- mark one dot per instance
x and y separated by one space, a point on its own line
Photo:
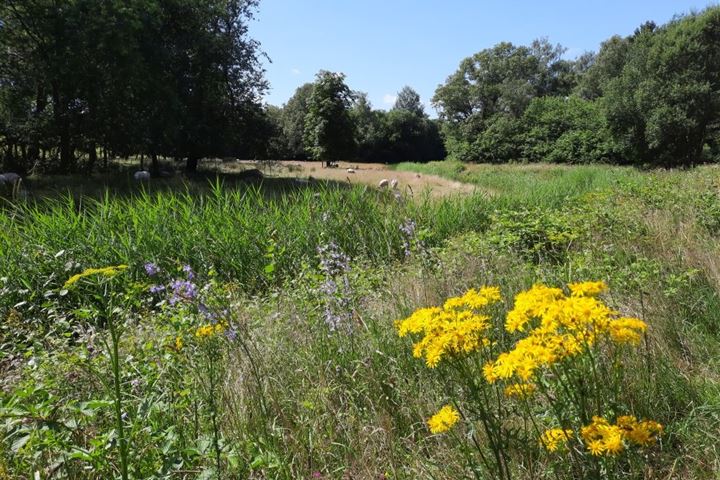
172 77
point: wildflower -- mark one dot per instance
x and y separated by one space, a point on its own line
205 311
627 330
157 288
529 304
520 390
558 327
105 271
587 289
178 343
210 329
602 438
336 289
182 290
151 269
188 272
444 420
474 299
642 433
555 438
408 230
456 328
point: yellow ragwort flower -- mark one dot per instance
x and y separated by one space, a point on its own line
105 271
520 390
643 433
555 438
456 328
558 327
603 438
210 329
587 289
444 420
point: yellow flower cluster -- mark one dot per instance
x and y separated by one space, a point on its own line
105 271
520 390
210 329
444 420
558 327
603 438
555 438
456 328
641 433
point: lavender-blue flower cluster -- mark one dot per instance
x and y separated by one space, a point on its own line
408 229
335 288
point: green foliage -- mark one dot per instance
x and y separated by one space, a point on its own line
565 130
664 105
539 235
179 78
497 82
329 132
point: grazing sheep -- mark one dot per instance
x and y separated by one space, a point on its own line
394 183
383 183
351 170
141 176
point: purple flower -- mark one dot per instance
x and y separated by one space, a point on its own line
157 288
209 315
189 272
151 269
408 232
231 334
335 289
182 290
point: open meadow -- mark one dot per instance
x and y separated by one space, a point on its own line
533 321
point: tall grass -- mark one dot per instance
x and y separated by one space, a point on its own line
228 230
539 185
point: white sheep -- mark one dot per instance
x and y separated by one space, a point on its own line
351 170
383 183
394 183
141 175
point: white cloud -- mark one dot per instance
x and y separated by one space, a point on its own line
295 71
389 99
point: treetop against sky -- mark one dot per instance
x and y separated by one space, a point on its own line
383 45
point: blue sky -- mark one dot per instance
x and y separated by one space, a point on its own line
383 45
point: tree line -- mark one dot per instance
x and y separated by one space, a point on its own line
651 98
81 79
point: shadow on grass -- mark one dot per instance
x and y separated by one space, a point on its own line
122 184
